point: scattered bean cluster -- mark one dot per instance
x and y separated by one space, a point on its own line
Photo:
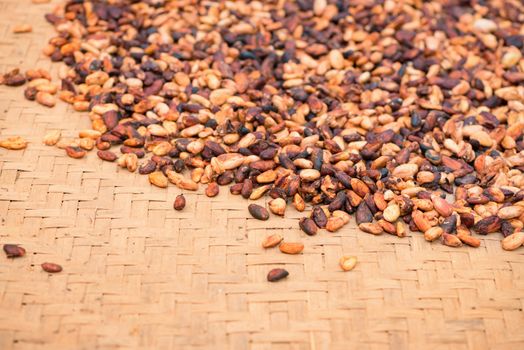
13 251
407 113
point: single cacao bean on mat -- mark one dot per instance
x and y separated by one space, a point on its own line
451 240
30 93
147 168
158 179
107 156
236 189
469 240
51 267
298 203
45 99
276 275
513 241
319 217
334 224
488 225
363 214
212 189
308 226
180 202
371 227
258 212
291 248
16 80
272 241
247 188
278 206
75 152
22 28
13 250
52 137
348 263
13 143
433 233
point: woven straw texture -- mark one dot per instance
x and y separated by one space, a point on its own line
139 275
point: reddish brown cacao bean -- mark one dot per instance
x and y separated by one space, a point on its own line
51 267
180 202
13 250
276 275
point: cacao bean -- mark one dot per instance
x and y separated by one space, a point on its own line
276 275
258 212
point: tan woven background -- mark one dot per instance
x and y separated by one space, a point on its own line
138 275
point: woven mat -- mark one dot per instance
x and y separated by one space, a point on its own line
139 275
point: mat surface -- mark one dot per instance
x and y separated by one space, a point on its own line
139 275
